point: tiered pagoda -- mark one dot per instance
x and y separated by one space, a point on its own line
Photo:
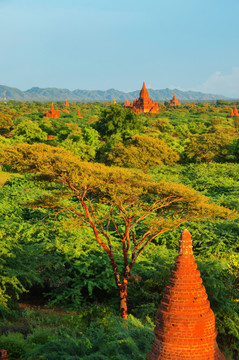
66 103
144 103
234 112
185 324
52 113
174 101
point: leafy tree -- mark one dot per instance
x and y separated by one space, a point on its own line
209 146
6 123
30 132
142 152
162 124
116 203
83 143
116 119
235 149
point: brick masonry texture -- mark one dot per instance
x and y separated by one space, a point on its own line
185 324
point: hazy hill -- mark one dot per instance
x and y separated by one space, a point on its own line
54 94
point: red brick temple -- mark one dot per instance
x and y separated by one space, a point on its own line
128 104
144 103
174 101
66 103
78 113
52 113
185 324
236 111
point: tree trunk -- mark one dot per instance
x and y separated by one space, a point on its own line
123 301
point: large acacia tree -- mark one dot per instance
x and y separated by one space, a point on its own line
114 202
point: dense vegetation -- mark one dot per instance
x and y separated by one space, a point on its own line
52 254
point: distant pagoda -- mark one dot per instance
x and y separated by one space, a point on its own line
143 103
79 114
234 112
128 104
174 101
66 103
52 113
185 324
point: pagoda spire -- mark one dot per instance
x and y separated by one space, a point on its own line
144 92
185 324
185 243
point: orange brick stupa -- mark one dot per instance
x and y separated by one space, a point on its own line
52 113
174 101
66 103
144 103
185 324
236 111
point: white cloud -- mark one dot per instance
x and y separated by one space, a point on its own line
221 84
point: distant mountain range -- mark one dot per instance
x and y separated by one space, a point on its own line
54 94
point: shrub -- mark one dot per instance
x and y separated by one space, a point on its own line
15 345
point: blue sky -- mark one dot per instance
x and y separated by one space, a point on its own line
102 44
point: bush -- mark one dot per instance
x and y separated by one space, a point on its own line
105 339
143 152
40 336
15 345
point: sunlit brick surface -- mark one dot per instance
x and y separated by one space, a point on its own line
185 323
52 113
174 101
144 103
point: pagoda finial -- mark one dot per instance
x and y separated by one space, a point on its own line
185 243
